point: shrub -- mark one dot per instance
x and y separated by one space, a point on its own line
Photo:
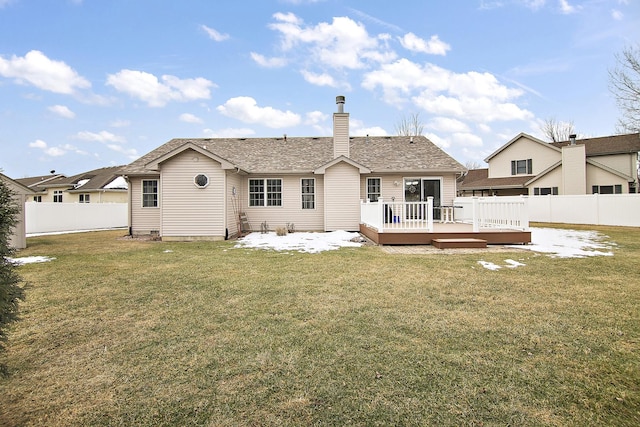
10 290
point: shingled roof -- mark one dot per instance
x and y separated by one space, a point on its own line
478 179
305 154
96 179
607 145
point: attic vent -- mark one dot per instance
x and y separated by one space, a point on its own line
242 139
201 180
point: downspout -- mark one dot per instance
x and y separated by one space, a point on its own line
129 212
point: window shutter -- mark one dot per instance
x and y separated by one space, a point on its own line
513 167
536 191
554 191
529 166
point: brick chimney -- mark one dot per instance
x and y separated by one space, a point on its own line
340 130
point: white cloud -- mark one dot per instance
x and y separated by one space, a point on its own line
438 140
131 153
340 44
433 46
447 125
102 136
215 35
120 123
617 15
315 117
566 8
323 79
189 118
50 151
534 4
479 97
156 93
245 109
62 111
268 62
466 139
46 74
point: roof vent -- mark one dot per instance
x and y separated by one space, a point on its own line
411 140
572 139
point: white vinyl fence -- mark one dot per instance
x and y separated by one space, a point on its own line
593 209
509 213
61 217
596 209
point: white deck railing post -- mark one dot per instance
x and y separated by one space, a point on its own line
430 213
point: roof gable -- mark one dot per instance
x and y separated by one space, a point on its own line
342 159
155 164
521 135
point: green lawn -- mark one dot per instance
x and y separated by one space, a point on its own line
122 332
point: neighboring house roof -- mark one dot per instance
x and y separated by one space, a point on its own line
478 179
36 182
108 178
607 145
306 154
17 184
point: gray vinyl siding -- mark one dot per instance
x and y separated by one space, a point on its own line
189 211
143 220
291 210
342 198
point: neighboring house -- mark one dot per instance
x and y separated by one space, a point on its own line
104 185
527 165
18 239
189 189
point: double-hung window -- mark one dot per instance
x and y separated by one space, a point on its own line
265 192
150 193
57 196
522 167
308 190
374 189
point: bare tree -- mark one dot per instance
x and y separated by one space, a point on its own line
410 126
624 84
472 164
556 131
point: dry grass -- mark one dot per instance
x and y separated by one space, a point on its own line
121 332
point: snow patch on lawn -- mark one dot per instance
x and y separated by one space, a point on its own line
301 242
30 259
565 243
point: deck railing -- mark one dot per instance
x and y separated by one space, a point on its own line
510 213
398 216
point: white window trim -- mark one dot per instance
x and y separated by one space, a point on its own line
264 180
366 186
142 194
315 195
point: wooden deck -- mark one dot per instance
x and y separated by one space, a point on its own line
446 231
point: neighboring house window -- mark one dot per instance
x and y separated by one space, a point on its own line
37 199
57 196
150 193
521 167
308 193
373 189
543 191
265 192
606 189
84 198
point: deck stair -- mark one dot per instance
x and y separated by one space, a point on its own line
459 243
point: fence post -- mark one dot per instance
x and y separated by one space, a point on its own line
474 215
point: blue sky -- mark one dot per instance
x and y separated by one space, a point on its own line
88 83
